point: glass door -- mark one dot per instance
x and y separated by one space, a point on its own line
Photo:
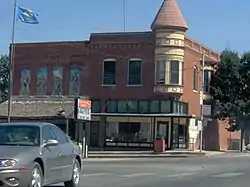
179 136
163 131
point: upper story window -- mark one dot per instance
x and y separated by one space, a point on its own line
160 71
41 81
206 81
25 80
195 78
75 80
182 72
134 72
57 81
109 72
174 72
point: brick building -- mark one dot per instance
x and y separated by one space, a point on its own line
142 84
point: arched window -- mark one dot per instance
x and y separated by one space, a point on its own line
75 80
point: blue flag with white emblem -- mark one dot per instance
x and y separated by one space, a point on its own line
27 16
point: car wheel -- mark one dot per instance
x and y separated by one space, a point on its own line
36 176
75 179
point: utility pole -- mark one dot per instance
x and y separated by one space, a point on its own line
201 98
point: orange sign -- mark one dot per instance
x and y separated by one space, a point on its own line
84 103
82 109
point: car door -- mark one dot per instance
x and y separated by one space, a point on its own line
50 157
67 153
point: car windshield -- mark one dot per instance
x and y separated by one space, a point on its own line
19 135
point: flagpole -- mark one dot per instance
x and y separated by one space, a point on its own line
124 15
11 63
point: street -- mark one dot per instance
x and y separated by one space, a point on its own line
227 170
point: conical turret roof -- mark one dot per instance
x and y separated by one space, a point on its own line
169 16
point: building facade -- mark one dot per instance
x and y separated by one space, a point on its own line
142 84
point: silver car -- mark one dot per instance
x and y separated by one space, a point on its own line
37 154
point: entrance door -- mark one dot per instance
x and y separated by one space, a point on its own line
179 136
163 131
94 134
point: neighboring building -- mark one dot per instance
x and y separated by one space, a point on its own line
142 84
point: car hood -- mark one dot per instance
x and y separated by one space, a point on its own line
16 151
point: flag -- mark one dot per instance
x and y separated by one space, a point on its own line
27 16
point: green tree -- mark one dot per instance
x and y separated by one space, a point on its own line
4 76
228 87
245 72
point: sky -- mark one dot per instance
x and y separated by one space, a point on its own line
218 24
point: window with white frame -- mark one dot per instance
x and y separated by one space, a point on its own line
174 72
160 71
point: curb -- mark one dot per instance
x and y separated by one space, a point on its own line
148 156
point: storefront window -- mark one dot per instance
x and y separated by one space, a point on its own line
122 106
165 107
154 107
179 104
95 108
132 106
143 107
112 106
128 132
185 108
179 107
175 107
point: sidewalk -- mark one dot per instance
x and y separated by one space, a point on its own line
150 154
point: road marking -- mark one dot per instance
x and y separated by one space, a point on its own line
137 175
181 175
95 174
227 175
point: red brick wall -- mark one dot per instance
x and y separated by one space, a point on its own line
91 57
122 49
91 54
227 139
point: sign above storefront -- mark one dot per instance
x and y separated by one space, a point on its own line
82 109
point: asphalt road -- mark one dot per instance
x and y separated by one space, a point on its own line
227 170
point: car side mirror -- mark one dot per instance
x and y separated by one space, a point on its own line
50 142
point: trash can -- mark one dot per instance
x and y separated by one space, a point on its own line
159 145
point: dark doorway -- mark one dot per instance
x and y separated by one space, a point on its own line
94 134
